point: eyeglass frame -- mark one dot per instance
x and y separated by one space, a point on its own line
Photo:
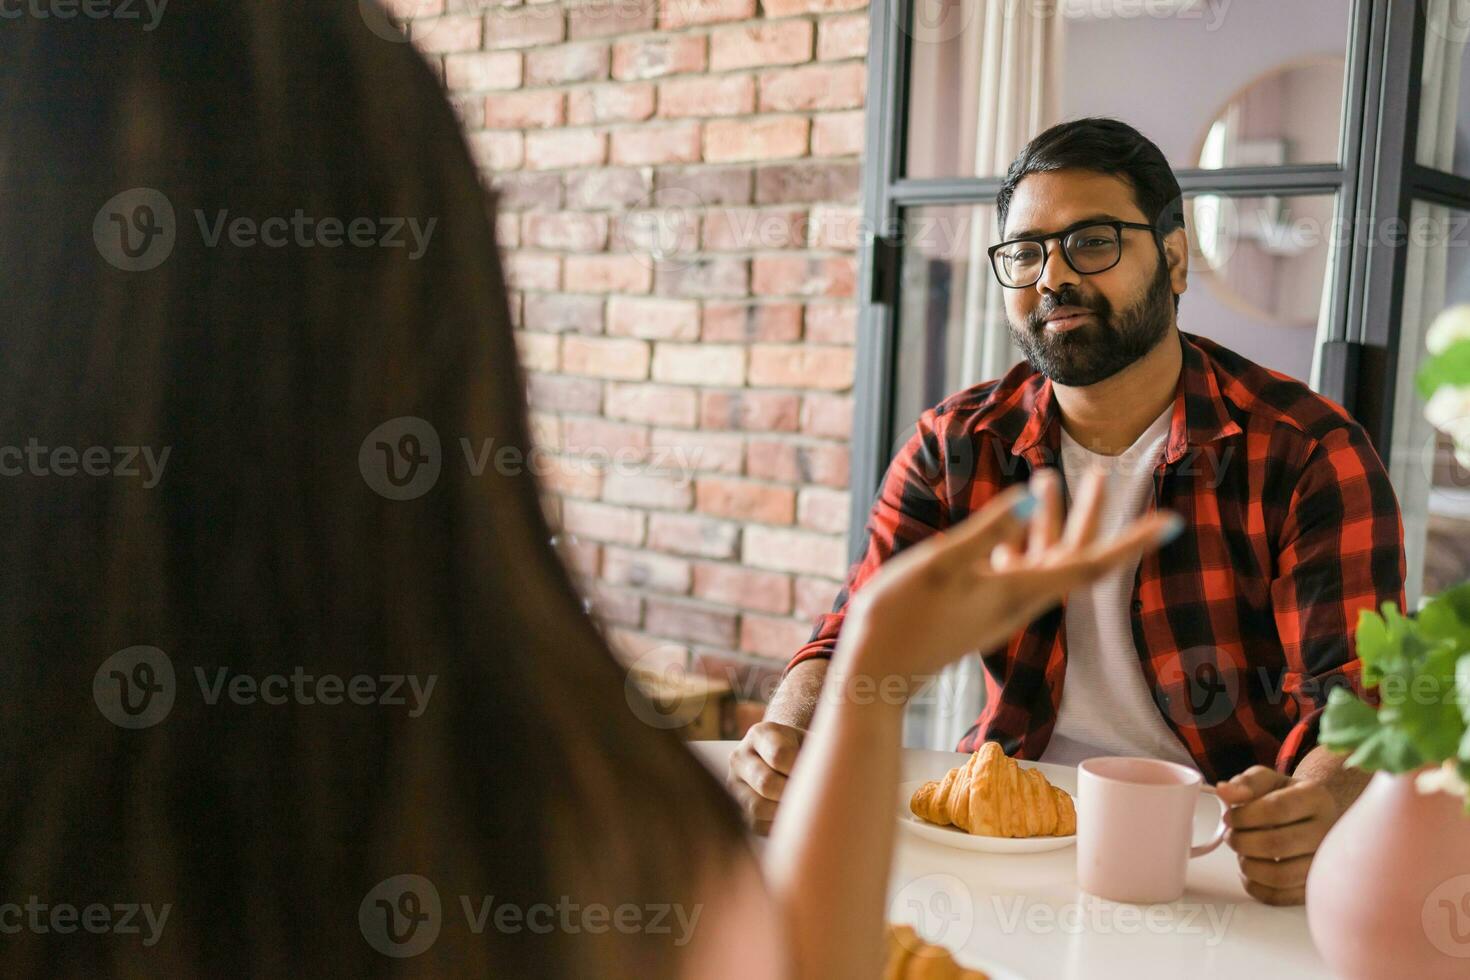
1041 240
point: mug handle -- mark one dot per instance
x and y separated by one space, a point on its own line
1199 850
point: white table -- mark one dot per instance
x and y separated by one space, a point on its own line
1023 917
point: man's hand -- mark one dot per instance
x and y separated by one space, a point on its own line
1276 824
758 770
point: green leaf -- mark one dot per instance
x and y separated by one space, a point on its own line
1372 642
1389 749
1452 367
1347 722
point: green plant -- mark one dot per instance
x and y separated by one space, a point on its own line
1420 667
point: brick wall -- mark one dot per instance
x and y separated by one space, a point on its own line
680 185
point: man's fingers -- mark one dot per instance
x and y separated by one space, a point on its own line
1046 526
776 744
758 811
1293 840
978 536
1290 873
752 771
1274 896
1254 782
1287 805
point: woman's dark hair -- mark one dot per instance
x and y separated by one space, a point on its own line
264 544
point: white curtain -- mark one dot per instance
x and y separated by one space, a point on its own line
1015 62
1426 276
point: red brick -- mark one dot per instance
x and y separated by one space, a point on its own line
748 322
813 87
524 26
688 534
525 110
705 277
604 18
824 463
559 393
686 13
646 570
744 588
801 366
669 230
443 35
842 37
567 63
699 364
569 477
823 509
611 605
603 522
808 182
800 275
825 415
786 550
731 229
815 596
636 649
469 109
582 557
756 411
565 148
584 436
482 71
745 501
836 227
538 351
607 187
530 270
722 95
527 191
608 273
710 185
655 404
693 621
653 319
556 314
498 150
610 103
771 636
788 8
604 357
412 9
727 140
643 487
546 430
699 452
568 231
643 145
658 56
838 134
758 45
831 323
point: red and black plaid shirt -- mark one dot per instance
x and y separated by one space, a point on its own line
1245 621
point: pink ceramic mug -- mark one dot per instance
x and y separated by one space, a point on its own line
1135 828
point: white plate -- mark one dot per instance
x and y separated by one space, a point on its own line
954 837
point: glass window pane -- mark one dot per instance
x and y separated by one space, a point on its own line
1433 489
1444 91
1215 83
1258 283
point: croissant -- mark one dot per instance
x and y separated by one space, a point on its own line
992 795
911 958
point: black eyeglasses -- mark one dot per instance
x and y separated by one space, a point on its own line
1089 247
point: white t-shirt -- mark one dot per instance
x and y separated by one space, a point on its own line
1107 705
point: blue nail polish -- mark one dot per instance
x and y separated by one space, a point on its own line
1024 507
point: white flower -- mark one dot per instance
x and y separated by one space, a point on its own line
1451 325
1448 410
1445 779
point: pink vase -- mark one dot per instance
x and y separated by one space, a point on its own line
1388 894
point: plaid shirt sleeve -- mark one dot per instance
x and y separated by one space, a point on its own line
909 507
1340 552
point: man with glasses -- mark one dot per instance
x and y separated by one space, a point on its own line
1219 650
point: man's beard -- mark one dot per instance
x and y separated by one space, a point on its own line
1096 351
